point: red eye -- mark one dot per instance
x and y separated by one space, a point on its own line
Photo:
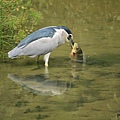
70 36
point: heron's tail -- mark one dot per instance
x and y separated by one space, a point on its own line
15 53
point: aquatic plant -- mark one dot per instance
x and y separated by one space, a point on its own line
17 19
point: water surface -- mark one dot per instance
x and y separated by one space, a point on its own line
68 90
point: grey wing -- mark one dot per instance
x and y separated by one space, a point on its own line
41 33
39 47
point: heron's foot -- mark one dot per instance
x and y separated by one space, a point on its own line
46 64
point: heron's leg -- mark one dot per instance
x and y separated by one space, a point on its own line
37 60
46 58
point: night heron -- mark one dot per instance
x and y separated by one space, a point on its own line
42 42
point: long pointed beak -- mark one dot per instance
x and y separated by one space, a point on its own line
72 42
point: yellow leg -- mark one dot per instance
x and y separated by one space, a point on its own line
46 58
37 60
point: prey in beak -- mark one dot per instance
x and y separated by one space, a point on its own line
76 53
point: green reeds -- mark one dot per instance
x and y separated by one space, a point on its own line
17 20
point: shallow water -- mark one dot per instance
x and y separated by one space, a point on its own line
68 90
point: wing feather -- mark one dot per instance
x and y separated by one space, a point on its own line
40 47
41 33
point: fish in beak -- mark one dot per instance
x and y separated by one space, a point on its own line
76 53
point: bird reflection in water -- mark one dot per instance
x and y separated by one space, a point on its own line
41 84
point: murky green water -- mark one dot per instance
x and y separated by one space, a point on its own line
66 90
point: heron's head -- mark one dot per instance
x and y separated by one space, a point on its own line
70 39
